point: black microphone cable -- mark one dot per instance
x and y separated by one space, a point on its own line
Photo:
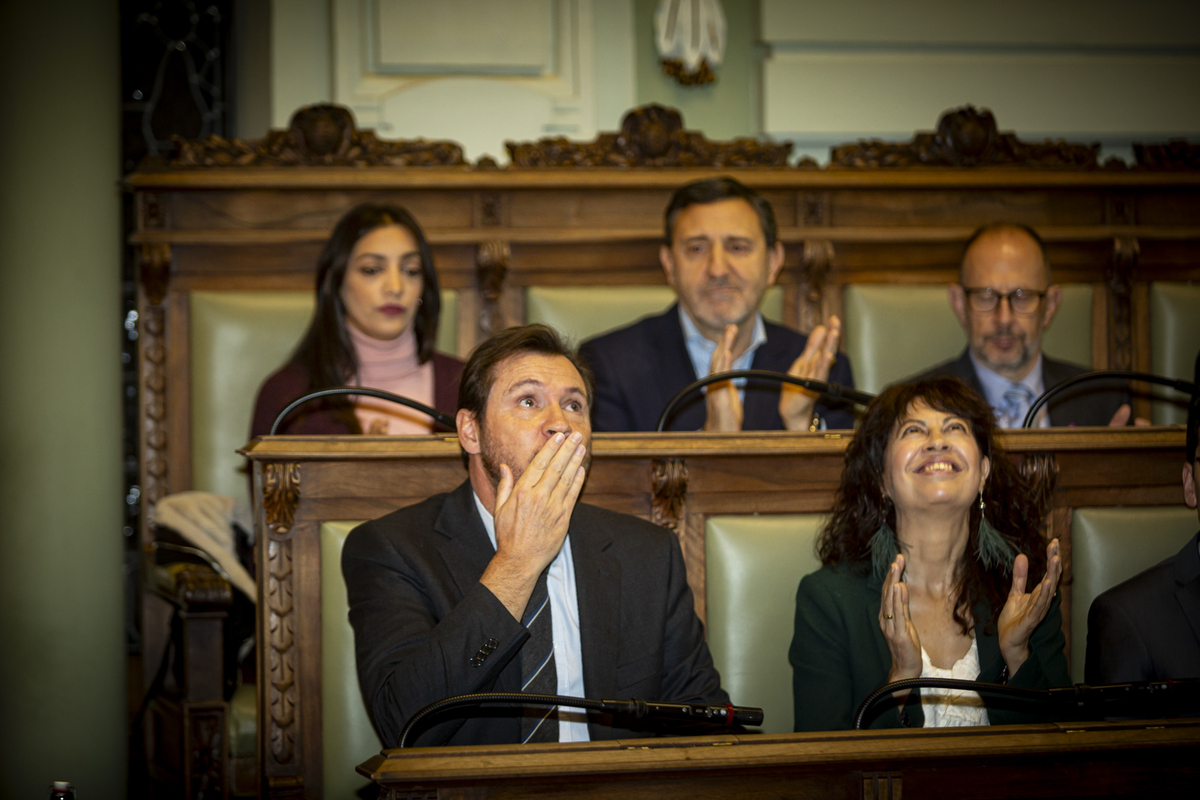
834 391
1183 386
444 419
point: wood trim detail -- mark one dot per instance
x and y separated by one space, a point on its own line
317 135
154 437
491 267
966 137
1175 154
206 748
650 136
668 486
1120 284
816 261
881 786
281 493
1041 470
282 656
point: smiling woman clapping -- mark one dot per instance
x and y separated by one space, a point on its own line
934 566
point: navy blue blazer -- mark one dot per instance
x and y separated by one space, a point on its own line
1085 404
640 368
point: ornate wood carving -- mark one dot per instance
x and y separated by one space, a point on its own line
814 209
816 261
674 68
200 585
1120 284
282 656
491 209
491 267
154 271
881 786
1175 154
650 136
1041 470
318 135
154 406
281 492
966 137
205 748
668 486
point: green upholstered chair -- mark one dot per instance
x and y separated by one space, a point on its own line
754 566
1111 545
892 331
1174 342
347 736
580 312
237 339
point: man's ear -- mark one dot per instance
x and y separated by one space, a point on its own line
668 264
958 303
468 431
1189 485
774 263
1053 300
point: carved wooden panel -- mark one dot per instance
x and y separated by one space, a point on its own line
491 268
282 656
668 485
650 136
206 750
966 137
281 492
1120 284
318 135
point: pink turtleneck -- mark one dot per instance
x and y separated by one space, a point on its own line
393 367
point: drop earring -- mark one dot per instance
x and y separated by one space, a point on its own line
992 549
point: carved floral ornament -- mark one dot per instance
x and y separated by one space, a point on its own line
655 136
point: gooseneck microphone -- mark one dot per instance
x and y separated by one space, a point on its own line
1068 702
1184 386
725 715
444 419
834 391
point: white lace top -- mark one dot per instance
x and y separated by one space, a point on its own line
951 708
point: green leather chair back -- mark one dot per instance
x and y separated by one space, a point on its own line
894 331
580 312
754 567
237 339
1111 545
347 736
1174 342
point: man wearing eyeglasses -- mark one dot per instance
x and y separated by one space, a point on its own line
1005 300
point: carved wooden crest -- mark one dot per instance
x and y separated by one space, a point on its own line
1175 154
966 137
650 136
320 135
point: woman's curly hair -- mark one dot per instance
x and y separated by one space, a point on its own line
860 507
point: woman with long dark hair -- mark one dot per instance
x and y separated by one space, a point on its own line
374 325
933 541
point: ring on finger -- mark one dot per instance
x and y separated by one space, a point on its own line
887 616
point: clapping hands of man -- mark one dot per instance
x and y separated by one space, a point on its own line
724 405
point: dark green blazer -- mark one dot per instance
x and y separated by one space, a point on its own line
839 656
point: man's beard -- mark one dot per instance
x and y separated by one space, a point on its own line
1027 351
493 455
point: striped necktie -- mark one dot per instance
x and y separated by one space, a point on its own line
1017 399
538 672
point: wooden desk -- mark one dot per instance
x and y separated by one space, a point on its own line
1080 760
675 479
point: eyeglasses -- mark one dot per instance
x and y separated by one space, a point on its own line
1021 301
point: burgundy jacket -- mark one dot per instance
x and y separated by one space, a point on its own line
319 417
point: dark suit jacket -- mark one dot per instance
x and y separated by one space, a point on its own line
1086 404
640 368
319 418
839 656
420 616
1148 628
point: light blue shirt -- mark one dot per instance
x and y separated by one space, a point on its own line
700 349
564 623
995 385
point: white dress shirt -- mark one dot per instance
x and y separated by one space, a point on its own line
564 618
